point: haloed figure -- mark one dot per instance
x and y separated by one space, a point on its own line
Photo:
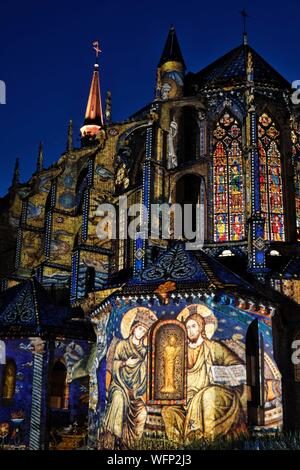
212 410
126 412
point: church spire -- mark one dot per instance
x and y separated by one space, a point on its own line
16 175
171 51
93 116
40 158
170 70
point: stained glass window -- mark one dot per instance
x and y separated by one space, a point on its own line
296 161
228 179
270 178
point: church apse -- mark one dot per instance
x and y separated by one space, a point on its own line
171 358
177 371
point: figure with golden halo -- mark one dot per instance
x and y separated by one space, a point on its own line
212 409
126 413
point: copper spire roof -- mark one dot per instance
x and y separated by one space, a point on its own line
93 114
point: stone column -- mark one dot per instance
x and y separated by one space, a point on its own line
38 395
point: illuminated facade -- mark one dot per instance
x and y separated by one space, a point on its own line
121 343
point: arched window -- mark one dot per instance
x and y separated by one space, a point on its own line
188 135
228 179
58 386
255 374
190 190
270 178
296 161
90 279
8 384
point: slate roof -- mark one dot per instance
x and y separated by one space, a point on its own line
27 310
184 267
196 270
175 264
232 68
171 51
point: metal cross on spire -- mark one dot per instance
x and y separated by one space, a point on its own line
245 16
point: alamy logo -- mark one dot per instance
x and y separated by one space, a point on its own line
159 221
2 353
296 353
2 92
296 93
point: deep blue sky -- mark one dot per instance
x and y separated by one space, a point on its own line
47 59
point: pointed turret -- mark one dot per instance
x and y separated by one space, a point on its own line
172 51
70 136
40 159
93 116
16 175
171 68
108 108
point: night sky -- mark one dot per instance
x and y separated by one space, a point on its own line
47 59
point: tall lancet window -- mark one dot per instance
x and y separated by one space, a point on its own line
228 179
270 178
296 161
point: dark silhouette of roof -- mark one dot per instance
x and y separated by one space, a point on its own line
27 309
171 51
232 68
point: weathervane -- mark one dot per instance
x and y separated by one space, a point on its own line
97 49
